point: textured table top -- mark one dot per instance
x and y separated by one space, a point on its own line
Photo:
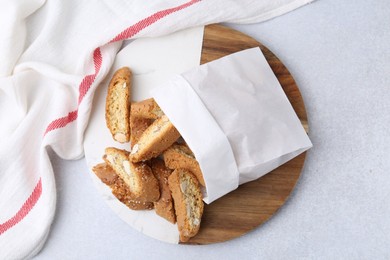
339 55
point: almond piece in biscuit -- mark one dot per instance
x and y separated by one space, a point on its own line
138 176
164 206
118 187
187 198
154 140
118 105
147 108
180 156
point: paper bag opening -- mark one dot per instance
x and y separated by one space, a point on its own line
235 117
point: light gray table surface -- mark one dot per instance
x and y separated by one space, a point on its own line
339 54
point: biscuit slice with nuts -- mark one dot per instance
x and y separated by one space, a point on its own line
154 140
187 198
137 126
147 108
180 156
118 187
137 176
118 105
164 206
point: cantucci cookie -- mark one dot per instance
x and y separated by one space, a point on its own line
147 108
164 206
137 126
154 140
188 202
180 156
118 105
138 176
118 188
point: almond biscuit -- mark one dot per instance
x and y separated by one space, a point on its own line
147 108
138 176
118 105
137 126
187 198
154 140
164 206
180 156
118 188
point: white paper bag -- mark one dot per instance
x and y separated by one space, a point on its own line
235 117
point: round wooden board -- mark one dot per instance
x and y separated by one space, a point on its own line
255 202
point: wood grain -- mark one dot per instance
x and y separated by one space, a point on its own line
253 203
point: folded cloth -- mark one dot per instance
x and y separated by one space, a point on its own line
53 56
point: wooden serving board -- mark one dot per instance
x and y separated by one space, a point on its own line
255 202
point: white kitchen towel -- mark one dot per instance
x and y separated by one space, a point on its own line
53 56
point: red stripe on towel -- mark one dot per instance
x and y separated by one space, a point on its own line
88 80
84 86
142 24
24 210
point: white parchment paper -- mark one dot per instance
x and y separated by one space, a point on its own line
235 117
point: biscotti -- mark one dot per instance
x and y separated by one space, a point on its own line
118 105
154 140
118 188
138 176
157 173
180 156
147 108
164 206
188 202
137 126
